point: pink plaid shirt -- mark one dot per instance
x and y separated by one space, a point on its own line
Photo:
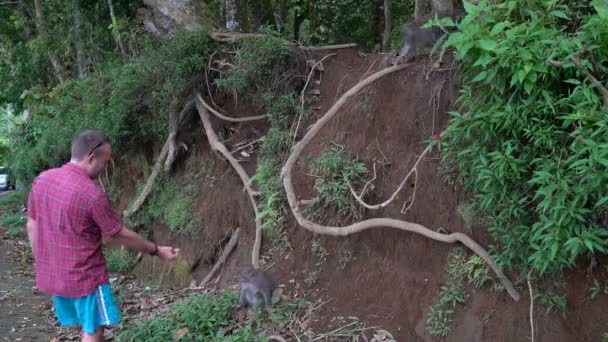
71 213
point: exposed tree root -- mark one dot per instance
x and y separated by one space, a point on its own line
227 118
414 168
231 37
216 145
276 338
531 308
144 194
227 250
286 174
174 123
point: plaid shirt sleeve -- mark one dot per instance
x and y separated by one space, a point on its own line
31 203
104 216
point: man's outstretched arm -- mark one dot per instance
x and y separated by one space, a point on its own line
134 241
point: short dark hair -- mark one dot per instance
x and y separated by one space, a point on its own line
87 142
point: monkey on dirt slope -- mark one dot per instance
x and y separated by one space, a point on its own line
257 287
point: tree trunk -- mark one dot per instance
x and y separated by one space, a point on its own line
115 30
232 21
419 11
55 62
280 14
442 8
80 54
262 13
386 41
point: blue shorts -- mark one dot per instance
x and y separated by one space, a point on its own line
90 312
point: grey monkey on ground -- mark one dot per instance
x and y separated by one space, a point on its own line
414 38
257 287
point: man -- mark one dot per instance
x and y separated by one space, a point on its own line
67 216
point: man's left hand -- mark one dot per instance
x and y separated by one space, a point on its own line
167 253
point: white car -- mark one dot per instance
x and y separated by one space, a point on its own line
7 179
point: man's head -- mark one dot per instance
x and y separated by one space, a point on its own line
91 151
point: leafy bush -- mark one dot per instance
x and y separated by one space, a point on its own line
128 100
201 317
16 233
120 261
253 63
531 141
335 167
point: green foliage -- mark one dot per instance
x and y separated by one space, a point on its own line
605 337
171 200
531 143
128 100
120 261
203 316
460 267
13 220
335 167
552 301
597 288
16 233
273 151
14 199
253 63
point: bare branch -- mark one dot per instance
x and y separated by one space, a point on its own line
286 174
216 145
227 250
231 37
531 308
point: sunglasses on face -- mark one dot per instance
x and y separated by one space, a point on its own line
94 148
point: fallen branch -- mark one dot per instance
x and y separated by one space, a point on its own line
142 196
216 145
227 250
286 174
531 307
227 118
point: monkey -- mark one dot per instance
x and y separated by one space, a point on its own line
413 39
257 287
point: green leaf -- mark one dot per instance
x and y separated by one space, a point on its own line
480 76
487 44
573 81
498 28
560 14
601 7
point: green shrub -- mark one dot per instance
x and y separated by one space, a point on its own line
120 261
531 140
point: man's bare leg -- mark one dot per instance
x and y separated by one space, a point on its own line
97 337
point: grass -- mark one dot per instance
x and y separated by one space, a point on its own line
171 201
13 220
205 317
120 261
460 268
334 168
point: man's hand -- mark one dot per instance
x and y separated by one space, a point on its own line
167 253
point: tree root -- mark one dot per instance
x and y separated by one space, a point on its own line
144 194
286 174
231 37
227 250
531 308
216 145
174 123
276 338
227 118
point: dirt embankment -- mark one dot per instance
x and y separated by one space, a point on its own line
391 277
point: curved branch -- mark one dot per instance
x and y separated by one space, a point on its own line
286 174
227 118
216 145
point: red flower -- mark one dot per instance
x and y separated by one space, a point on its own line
437 137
